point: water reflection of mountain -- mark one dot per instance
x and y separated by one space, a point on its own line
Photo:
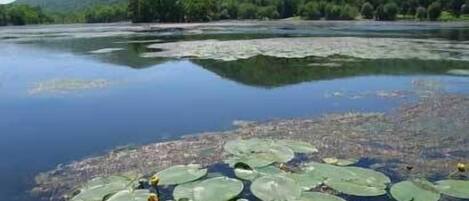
270 72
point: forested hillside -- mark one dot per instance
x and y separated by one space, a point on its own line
67 5
92 11
207 10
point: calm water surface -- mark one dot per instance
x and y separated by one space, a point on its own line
143 100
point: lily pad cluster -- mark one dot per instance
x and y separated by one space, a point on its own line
260 164
423 190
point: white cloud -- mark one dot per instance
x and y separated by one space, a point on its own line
6 1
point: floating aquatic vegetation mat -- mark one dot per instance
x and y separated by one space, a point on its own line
271 181
365 48
399 145
106 50
67 85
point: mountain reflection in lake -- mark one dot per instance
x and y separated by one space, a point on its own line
60 102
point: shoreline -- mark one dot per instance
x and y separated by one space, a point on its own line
392 141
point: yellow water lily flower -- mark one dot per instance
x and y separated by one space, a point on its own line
154 180
153 197
461 167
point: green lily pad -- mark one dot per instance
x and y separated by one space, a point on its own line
129 195
246 174
270 188
180 174
252 174
340 162
214 189
416 190
299 147
355 187
317 196
454 188
350 180
257 153
370 176
242 147
306 180
97 188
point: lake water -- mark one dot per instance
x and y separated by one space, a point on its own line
64 95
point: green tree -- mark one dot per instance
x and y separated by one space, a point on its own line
3 15
311 11
387 12
367 10
434 11
267 12
421 13
247 11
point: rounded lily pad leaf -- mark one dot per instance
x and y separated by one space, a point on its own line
214 189
271 188
253 161
246 174
355 187
241 147
327 171
281 154
416 190
340 162
454 188
298 146
306 181
317 196
129 195
371 177
97 188
180 174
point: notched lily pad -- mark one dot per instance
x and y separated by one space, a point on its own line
415 190
257 152
214 189
97 188
130 195
180 174
299 147
270 188
340 162
317 196
454 188
350 180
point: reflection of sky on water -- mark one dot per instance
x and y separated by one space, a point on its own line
167 98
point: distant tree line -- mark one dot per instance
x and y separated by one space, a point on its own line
21 15
24 14
209 10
